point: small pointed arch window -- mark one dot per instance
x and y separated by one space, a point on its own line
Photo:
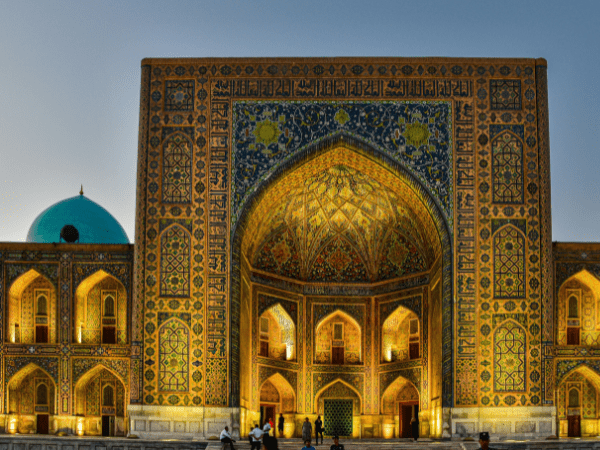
108 396
573 397
109 306
42 305
41 394
573 305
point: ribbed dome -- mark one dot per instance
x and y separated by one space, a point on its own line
93 224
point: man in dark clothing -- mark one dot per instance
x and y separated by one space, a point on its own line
336 444
280 423
319 429
484 441
414 426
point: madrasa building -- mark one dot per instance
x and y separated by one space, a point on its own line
364 239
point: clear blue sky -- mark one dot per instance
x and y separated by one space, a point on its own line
70 75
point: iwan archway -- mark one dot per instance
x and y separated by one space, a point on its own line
335 242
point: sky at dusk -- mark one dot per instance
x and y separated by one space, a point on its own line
70 81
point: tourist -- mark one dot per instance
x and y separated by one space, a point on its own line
319 429
414 426
271 424
306 430
484 441
256 435
267 428
280 423
307 445
336 444
226 438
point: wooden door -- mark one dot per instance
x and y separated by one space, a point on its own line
405 416
109 335
270 414
41 334
574 426
43 423
107 425
413 350
573 336
337 355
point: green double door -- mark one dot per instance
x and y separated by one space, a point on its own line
337 418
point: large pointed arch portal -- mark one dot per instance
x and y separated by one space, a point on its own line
309 200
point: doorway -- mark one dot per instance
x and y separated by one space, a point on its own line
267 412
108 425
574 426
407 411
43 424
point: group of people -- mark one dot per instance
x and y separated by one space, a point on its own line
260 439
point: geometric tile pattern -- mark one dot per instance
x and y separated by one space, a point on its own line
179 95
509 358
507 167
174 344
337 417
177 170
175 262
509 263
505 94
419 134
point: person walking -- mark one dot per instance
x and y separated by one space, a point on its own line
414 425
226 439
484 441
256 435
319 429
306 430
280 423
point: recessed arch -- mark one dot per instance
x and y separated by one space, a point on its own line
286 337
79 388
287 394
397 332
25 309
14 388
333 383
91 323
392 391
577 310
350 338
379 164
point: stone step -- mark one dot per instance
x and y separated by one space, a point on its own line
353 444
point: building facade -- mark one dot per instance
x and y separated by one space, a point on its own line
364 239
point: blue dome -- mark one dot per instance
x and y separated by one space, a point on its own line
94 223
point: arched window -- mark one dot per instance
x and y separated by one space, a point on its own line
108 396
42 306
109 306
510 341
41 395
573 307
573 398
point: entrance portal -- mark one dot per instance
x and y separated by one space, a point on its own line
341 283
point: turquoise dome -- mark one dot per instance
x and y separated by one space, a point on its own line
94 223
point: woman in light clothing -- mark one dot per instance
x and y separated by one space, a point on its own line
306 430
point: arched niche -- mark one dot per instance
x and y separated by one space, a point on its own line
400 336
31 310
577 310
101 392
340 405
277 334
277 391
100 310
578 410
31 392
400 402
290 235
338 339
